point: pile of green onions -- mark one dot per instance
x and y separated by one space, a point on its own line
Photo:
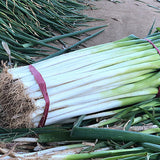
87 81
24 24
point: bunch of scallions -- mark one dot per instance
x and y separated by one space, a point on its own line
87 81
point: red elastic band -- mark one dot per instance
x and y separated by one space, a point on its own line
153 45
42 85
158 94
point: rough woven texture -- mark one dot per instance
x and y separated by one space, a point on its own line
15 105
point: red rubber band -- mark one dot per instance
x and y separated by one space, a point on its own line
158 94
153 45
42 85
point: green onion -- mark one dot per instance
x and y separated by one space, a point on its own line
31 23
86 81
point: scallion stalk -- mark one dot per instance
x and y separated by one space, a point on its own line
86 81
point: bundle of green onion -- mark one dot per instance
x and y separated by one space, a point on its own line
87 81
